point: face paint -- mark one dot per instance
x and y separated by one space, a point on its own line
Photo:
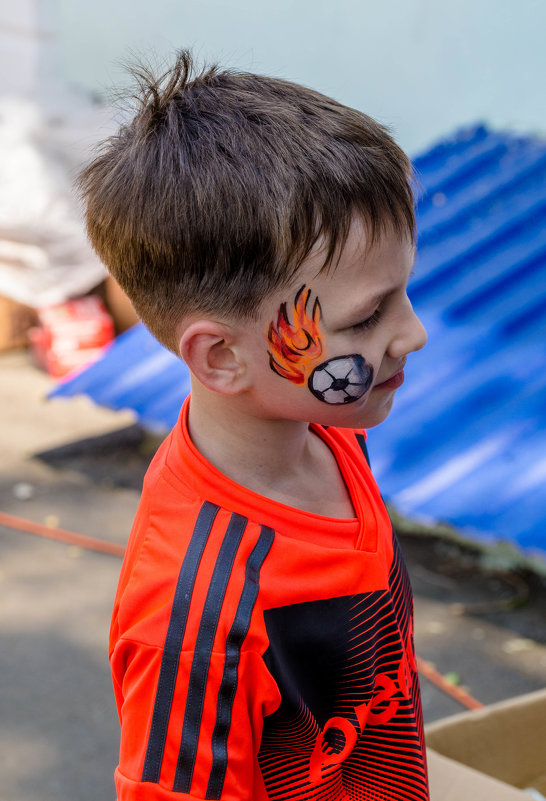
294 348
343 379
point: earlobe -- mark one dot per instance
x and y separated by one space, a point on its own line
212 354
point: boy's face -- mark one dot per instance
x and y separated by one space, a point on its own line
331 348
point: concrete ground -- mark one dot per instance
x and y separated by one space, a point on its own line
74 466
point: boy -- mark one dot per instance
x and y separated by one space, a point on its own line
261 642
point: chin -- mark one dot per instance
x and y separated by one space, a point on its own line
369 415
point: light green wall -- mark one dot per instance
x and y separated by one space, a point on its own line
422 66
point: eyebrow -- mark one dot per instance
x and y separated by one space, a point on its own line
373 302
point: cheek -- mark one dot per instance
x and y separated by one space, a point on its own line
341 380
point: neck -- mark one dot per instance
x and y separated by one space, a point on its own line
247 448
279 459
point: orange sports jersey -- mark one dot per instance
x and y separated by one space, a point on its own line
260 651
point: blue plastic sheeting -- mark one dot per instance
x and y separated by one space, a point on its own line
136 373
466 441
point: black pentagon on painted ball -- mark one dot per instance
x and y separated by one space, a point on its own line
340 383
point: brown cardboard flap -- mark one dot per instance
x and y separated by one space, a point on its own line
119 305
505 740
451 781
15 321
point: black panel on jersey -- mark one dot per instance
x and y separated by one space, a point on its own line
307 647
361 439
330 658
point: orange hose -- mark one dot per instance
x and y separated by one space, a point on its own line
460 695
10 521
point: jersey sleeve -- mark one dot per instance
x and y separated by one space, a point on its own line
194 736
186 652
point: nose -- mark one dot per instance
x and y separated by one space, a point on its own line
410 336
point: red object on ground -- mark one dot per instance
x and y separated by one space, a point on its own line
458 693
61 534
70 335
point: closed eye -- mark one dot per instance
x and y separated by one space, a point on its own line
370 322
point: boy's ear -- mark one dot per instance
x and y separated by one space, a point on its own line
212 353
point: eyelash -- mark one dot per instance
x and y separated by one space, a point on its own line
369 323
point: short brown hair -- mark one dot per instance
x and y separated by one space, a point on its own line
213 195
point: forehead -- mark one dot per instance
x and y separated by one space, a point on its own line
369 266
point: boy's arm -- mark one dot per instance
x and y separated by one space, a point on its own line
189 740
186 646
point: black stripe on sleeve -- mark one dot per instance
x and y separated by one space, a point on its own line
361 439
235 639
203 650
173 643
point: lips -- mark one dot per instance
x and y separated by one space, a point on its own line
393 382
396 380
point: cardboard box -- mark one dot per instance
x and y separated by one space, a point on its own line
15 322
493 754
119 305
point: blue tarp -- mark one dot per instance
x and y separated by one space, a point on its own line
466 441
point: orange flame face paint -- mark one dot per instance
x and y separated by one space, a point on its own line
295 347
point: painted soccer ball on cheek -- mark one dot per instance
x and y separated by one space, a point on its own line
341 380
295 346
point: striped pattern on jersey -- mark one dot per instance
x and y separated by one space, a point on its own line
202 651
349 724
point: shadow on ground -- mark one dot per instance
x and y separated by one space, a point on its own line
59 730
116 459
61 722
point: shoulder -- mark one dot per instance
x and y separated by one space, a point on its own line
192 561
352 441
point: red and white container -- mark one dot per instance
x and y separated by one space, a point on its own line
70 335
